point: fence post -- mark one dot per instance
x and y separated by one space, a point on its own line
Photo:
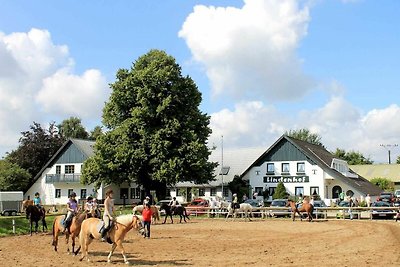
13 226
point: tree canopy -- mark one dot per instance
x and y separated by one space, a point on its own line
305 135
384 183
96 132
12 177
73 128
36 147
238 186
352 157
157 134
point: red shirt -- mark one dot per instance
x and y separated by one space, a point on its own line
146 213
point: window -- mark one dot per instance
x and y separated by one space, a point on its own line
299 191
213 192
69 169
135 193
58 169
58 193
314 190
271 191
83 193
123 193
70 192
259 191
285 168
226 192
202 192
301 167
270 168
168 193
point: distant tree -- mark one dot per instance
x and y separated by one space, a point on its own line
398 160
238 186
280 191
73 128
352 157
13 177
305 135
157 134
384 183
96 132
36 147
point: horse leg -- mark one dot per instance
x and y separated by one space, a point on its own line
73 243
112 251
165 218
172 221
31 226
119 242
67 241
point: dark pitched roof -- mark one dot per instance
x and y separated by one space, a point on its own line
323 158
85 146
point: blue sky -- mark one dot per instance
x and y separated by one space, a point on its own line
331 66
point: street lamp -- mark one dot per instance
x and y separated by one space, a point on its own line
387 147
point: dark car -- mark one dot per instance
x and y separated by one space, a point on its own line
345 204
383 213
280 203
386 196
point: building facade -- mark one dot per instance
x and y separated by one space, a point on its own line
305 169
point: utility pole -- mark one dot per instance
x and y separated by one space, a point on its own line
222 164
387 147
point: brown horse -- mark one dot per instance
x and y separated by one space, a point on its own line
306 207
25 204
74 229
121 226
154 210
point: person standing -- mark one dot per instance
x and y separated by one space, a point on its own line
341 196
244 198
109 213
146 201
147 213
368 200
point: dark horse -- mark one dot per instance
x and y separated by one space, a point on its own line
34 214
179 210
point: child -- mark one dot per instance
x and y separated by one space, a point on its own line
109 213
147 220
72 207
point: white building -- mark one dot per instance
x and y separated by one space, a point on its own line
305 169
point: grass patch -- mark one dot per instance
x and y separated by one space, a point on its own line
22 225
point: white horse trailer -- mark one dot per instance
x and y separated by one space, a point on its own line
11 202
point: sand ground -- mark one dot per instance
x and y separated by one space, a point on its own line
216 242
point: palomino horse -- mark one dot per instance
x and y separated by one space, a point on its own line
179 210
74 229
34 215
305 207
155 213
121 226
244 208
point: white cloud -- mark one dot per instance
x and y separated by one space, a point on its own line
340 124
250 51
35 74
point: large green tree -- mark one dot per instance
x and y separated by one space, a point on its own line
238 186
157 134
73 128
36 147
12 177
305 135
96 132
384 183
352 157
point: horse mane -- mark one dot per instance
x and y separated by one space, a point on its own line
125 219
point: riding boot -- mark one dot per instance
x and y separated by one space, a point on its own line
103 233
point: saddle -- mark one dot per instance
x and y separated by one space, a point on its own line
100 228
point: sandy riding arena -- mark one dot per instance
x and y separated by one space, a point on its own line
206 242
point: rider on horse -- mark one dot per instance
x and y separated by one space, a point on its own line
37 201
109 213
234 201
72 207
173 203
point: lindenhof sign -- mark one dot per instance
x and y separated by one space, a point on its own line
286 179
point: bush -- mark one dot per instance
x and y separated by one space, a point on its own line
384 183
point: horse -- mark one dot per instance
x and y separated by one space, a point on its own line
155 213
90 229
34 214
306 207
179 210
244 208
74 229
25 204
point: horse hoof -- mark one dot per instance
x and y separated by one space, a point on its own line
127 262
80 259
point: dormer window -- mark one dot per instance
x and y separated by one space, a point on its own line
285 168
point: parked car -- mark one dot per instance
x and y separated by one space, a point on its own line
382 213
397 193
281 203
197 206
345 204
386 196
